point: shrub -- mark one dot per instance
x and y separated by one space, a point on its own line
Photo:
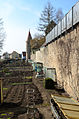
48 83
5 70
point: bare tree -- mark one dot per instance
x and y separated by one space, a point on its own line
38 36
47 15
2 34
59 15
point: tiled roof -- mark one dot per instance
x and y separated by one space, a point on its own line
29 36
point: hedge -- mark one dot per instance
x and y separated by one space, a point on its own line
48 83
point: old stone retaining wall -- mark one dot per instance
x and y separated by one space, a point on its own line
63 54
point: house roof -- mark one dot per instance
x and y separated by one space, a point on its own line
29 37
14 52
5 53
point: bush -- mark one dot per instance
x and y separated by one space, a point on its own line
6 70
48 83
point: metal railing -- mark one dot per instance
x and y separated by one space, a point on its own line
69 20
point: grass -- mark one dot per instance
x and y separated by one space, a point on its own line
6 70
3 114
8 73
1 71
1 60
45 104
28 77
21 83
5 88
10 112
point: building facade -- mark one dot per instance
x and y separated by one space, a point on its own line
14 55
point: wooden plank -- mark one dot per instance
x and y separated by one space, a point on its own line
71 114
68 106
65 100
1 92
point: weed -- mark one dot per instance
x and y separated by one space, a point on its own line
5 88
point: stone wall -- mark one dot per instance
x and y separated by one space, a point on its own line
63 54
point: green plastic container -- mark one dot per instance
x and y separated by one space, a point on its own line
39 64
39 69
34 65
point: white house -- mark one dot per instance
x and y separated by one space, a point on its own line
5 55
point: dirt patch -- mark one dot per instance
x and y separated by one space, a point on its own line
20 94
45 108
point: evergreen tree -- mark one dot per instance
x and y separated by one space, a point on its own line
59 15
47 17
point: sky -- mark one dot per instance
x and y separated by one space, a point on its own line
20 16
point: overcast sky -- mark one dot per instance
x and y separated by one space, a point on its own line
21 15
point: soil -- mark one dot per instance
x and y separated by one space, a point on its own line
24 95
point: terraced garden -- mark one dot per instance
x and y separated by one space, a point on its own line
24 95
20 94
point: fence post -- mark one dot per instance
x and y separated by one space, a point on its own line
1 92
